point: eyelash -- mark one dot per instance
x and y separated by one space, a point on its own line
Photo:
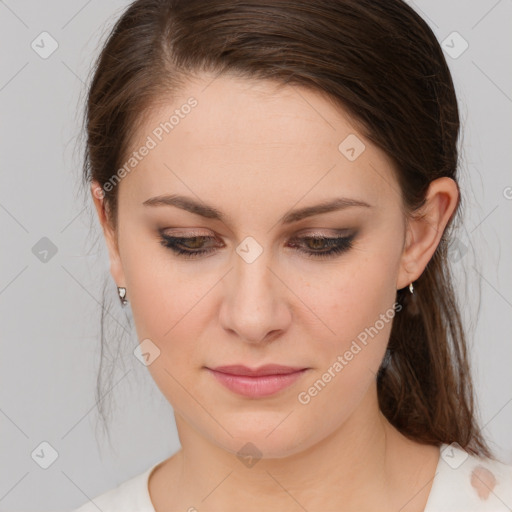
338 245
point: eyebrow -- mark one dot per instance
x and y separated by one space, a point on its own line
210 212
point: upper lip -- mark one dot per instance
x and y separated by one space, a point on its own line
268 369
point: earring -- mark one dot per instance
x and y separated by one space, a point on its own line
411 288
122 295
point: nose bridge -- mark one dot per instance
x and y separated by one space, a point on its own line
252 279
253 306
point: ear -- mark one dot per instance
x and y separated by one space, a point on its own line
116 269
424 231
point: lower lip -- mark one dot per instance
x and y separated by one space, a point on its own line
256 387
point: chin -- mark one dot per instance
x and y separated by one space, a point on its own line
273 439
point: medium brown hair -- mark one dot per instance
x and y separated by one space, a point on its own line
381 63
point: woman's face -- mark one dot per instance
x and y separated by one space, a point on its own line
251 156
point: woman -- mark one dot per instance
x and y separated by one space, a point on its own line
277 186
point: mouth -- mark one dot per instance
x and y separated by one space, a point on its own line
259 382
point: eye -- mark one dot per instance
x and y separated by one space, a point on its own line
313 246
193 245
324 247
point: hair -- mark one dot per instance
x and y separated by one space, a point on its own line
381 63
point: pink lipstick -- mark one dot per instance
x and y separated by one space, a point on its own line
259 382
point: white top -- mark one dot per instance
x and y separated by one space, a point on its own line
462 483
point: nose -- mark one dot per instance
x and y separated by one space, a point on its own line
254 306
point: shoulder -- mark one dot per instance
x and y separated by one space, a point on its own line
465 482
132 495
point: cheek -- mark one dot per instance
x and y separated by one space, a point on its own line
347 300
166 302
348 361
169 309
355 307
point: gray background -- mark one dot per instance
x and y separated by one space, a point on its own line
50 309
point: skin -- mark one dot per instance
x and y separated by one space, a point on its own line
256 152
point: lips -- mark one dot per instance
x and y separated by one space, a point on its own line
258 382
268 369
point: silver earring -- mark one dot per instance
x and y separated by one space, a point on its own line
411 288
122 295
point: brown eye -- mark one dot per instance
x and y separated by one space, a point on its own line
188 247
317 243
195 242
323 247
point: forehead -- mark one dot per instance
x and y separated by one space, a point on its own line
262 142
